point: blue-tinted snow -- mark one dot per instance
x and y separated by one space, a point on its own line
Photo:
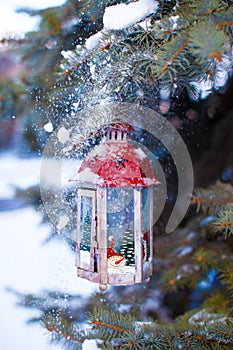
26 264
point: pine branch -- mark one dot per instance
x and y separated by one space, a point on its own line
206 259
226 276
110 324
174 57
218 303
177 53
204 46
214 197
224 220
67 336
63 331
99 324
224 24
144 335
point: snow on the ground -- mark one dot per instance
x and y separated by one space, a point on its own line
15 172
122 16
27 265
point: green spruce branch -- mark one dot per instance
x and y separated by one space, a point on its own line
213 198
224 220
119 331
188 44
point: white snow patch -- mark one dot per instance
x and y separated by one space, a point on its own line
174 20
92 69
150 182
139 152
122 16
68 55
204 317
88 176
146 24
90 344
139 325
140 93
93 40
206 87
76 105
48 127
29 266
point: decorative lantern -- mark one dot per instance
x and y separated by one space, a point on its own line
115 211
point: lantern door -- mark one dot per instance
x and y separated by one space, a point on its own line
86 234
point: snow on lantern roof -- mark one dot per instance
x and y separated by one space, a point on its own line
117 162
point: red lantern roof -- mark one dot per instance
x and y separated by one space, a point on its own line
117 162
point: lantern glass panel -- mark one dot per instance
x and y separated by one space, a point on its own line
85 229
120 227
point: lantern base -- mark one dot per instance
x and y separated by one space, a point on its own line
117 277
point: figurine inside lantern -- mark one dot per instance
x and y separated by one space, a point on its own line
115 211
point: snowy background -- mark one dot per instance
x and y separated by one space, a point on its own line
19 23
27 264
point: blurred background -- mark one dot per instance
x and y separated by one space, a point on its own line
27 263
